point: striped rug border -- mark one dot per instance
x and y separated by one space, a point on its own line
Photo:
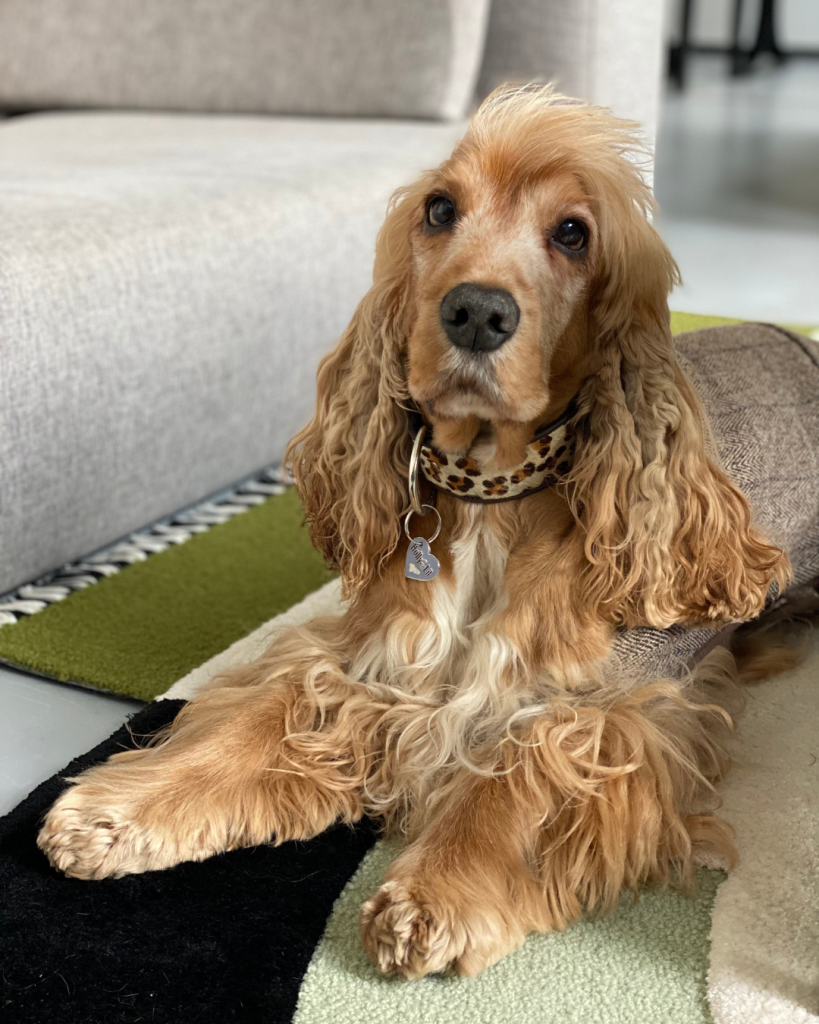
57 585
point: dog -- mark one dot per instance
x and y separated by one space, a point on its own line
509 388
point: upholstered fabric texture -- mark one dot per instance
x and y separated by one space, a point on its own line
168 284
417 58
760 387
603 51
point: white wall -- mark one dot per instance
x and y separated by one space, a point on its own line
797 22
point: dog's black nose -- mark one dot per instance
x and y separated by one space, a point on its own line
479 318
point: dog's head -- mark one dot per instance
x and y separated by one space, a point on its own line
519 244
522 272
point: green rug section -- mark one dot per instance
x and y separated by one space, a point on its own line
644 964
138 632
682 322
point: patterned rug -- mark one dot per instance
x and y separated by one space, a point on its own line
269 934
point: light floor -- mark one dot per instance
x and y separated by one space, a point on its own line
43 725
738 183
737 180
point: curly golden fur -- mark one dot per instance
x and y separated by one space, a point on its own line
481 715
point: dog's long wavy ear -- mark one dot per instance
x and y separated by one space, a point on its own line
669 538
350 462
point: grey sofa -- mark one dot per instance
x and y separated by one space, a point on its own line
189 195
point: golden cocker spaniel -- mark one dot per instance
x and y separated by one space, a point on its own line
465 697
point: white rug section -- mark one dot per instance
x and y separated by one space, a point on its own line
326 601
765 927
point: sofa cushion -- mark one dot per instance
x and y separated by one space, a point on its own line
416 58
603 51
168 284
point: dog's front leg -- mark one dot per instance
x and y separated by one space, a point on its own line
591 799
265 756
463 894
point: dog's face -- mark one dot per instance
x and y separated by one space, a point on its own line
503 263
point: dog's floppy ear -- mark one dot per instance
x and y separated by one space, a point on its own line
669 538
350 462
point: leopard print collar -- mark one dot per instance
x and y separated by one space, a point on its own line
548 459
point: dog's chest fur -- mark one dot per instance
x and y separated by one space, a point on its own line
450 647
464 605
459 656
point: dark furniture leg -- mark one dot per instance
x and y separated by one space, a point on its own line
766 37
678 55
739 57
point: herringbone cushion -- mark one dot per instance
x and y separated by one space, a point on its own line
760 386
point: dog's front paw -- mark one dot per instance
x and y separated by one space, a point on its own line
422 923
87 835
408 936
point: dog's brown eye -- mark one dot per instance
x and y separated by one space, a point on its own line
572 234
440 211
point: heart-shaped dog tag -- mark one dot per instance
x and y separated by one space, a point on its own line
421 564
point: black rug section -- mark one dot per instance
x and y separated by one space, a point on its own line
225 940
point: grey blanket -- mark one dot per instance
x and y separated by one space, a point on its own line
760 386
